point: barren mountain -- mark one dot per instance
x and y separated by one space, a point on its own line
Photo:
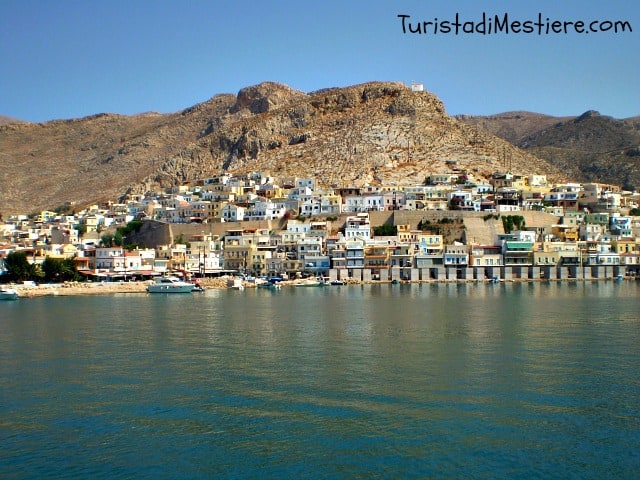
371 133
590 147
9 120
513 126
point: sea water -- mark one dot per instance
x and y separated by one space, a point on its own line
529 380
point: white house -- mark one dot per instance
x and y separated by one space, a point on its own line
358 226
353 204
232 213
374 203
105 257
456 254
310 206
305 183
264 211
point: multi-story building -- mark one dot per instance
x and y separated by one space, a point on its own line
556 254
456 255
358 226
105 257
486 256
376 257
565 196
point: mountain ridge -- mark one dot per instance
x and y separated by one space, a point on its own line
4 120
588 147
371 133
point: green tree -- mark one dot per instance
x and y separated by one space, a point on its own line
385 230
70 270
512 222
52 269
55 270
424 224
63 209
118 238
132 226
20 269
107 240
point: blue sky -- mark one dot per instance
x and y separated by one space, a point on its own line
72 58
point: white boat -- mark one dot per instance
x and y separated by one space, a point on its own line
8 294
311 282
170 285
236 283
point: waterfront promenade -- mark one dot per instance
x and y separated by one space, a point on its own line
362 277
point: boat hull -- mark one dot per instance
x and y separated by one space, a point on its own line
170 289
8 294
311 284
170 285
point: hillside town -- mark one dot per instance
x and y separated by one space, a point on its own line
450 228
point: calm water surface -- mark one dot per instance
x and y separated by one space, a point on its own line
420 381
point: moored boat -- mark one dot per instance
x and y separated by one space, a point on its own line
170 285
236 283
8 294
311 282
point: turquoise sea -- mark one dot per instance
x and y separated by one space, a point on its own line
516 380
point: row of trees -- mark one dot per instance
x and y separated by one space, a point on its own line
20 269
118 239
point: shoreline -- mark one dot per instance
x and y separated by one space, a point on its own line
108 288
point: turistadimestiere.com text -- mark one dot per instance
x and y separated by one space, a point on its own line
504 24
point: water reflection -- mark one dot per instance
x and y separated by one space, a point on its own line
394 381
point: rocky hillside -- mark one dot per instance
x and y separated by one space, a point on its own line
591 147
371 133
8 120
513 126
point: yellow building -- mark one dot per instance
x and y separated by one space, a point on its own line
556 253
376 257
626 245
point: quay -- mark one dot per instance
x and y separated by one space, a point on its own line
357 277
469 273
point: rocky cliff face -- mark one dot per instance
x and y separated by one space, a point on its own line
371 133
